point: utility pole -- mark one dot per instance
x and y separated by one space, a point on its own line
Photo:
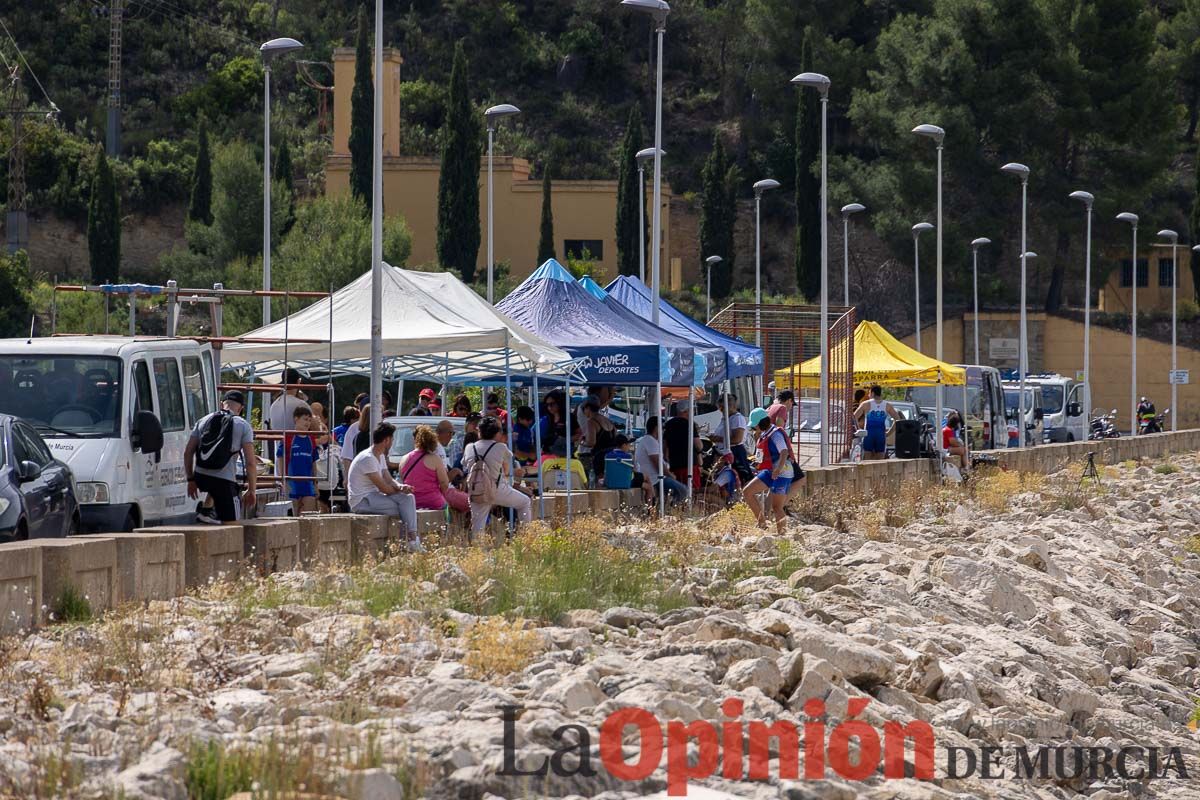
16 221
112 137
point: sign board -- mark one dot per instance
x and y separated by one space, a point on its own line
1079 376
1178 376
1004 349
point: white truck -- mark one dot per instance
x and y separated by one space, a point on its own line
118 410
1062 405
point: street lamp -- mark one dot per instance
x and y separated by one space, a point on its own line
1088 200
937 135
917 230
1132 219
1173 237
814 80
269 50
765 185
493 116
711 261
1022 172
853 208
658 11
642 157
975 245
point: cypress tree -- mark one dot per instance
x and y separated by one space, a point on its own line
546 239
717 214
362 117
630 225
284 174
458 185
200 208
104 224
808 184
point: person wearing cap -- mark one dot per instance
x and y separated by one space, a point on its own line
421 409
777 478
221 484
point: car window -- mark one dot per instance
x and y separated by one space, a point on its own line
20 451
35 449
170 394
194 389
143 398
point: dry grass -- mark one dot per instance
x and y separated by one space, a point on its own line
496 646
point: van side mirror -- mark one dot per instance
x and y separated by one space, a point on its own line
147 432
1039 413
28 471
1074 410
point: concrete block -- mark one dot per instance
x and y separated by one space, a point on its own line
20 587
604 500
632 500
211 552
150 566
429 521
556 505
88 564
271 545
325 539
372 534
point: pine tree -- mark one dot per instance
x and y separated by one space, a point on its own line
630 223
718 211
104 224
200 208
458 185
284 174
362 117
808 185
546 239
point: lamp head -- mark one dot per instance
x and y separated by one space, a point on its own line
980 242
499 112
765 185
814 80
1013 168
920 228
278 47
853 208
1196 248
1030 254
1087 198
1168 234
931 131
659 9
1126 216
648 153
713 260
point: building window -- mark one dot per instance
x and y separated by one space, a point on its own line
1164 272
1143 272
584 249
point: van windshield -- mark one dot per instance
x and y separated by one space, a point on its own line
926 398
1052 398
1011 401
63 395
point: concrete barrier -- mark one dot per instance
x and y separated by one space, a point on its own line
271 545
86 564
20 587
150 566
603 500
211 552
430 521
325 539
371 535
556 505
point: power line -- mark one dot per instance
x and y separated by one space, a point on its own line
28 68
163 6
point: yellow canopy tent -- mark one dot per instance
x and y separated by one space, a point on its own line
879 358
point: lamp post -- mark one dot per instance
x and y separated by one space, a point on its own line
853 208
975 245
917 230
1022 172
711 261
1172 237
765 185
377 228
642 157
1088 200
269 50
658 11
937 135
1024 363
493 116
819 82
1132 219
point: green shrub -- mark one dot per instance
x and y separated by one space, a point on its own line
72 606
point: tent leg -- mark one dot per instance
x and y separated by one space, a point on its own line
662 501
512 519
537 444
567 418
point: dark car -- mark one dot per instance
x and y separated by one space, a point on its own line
37 491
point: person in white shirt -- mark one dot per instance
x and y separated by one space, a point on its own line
492 449
371 489
284 408
646 458
734 442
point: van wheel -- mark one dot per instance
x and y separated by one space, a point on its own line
131 522
1070 437
22 533
73 527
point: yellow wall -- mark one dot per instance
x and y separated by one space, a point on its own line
582 209
1117 298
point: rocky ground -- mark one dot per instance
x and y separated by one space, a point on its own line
1024 612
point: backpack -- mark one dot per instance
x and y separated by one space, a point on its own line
216 441
481 483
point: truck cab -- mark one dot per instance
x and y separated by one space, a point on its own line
118 410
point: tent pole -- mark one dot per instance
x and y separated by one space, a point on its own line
400 396
728 433
567 420
508 410
691 459
662 502
332 464
537 444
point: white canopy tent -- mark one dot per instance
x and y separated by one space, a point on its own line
434 328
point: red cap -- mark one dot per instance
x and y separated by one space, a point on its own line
428 394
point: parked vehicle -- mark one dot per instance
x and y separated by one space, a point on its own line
984 415
1034 412
37 491
1104 426
402 442
1063 407
118 411
1153 424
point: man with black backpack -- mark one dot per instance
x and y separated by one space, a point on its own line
210 458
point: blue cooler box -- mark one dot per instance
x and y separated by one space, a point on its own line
618 472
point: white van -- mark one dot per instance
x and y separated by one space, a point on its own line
1062 404
118 410
984 412
1034 413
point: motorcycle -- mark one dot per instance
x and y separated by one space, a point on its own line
1103 426
1153 424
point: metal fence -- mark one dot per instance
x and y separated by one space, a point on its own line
790 335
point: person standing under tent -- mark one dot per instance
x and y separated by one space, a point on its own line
492 408
524 443
488 462
371 489
780 411
280 413
554 425
777 480
223 435
461 406
599 433
300 450
873 414
646 458
424 398
679 434
349 417
733 441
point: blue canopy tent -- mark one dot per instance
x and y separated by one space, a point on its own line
740 360
612 348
